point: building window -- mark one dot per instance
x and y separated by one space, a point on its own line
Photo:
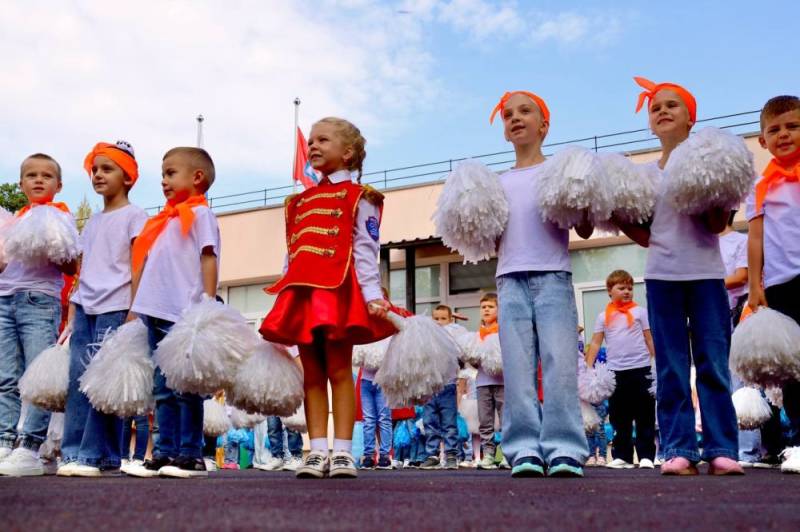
250 300
472 277
428 287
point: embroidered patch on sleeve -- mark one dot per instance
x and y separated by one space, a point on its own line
372 228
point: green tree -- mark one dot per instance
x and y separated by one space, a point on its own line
83 213
11 197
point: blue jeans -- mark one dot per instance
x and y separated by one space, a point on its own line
439 419
597 439
28 325
142 436
696 314
90 436
378 415
179 415
275 433
538 320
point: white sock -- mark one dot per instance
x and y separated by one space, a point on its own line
319 445
342 445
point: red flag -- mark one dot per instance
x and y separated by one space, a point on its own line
303 172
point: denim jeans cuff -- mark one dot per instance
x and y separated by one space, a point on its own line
32 444
691 455
8 442
710 454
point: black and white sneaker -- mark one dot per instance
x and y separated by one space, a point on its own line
384 462
315 465
149 469
343 465
185 467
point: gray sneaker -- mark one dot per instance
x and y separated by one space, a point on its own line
430 462
343 465
315 465
450 462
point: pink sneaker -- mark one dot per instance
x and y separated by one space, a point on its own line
722 465
679 466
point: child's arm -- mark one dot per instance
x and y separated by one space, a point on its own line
755 262
208 270
639 233
648 340
736 279
715 219
68 326
594 347
366 247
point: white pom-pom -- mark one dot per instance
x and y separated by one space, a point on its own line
591 421
6 221
242 420
774 396
215 420
596 384
44 383
119 379
296 421
370 356
468 408
632 187
653 389
572 181
491 358
43 234
421 360
765 349
752 410
712 168
472 211
269 382
467 342
203 350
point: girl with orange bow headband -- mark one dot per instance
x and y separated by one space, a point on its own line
537 316
100 304
685 291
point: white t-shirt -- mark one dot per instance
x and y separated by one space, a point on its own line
20 277
484 379
528 243
781 212
625 346
171 279
733 248
104 284
681 248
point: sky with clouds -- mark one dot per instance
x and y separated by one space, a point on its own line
419 77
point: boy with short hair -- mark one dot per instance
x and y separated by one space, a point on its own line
181 245
490 387
439 416
629 349
773 214
30 312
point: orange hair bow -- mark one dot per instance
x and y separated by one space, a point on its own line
121 157
537 100
653 88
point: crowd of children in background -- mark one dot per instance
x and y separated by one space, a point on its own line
526 418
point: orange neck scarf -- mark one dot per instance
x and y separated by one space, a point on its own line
485 331
651 89
120 157
774 174
57 204
536 99
155 226
624 308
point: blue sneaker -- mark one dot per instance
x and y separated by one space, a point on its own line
528 466
564 467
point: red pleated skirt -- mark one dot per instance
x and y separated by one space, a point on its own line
339 315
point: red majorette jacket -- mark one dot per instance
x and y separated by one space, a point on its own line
319 234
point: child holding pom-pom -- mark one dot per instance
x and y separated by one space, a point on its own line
175 259
684 277
101 303
30 312
329 297
773 214
625 328
537 314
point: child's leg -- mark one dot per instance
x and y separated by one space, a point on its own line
384 421
666 304
10 371
600 435
499 395
555 321
339 364
125 442
369 410
38 316
275 434
77 408
295 441
448 406
620 410
315 386
433 428
522 419
167 410
486 420
709 316
644 408
142 437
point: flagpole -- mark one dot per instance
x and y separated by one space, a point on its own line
200 130
294 136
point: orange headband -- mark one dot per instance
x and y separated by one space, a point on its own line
653 88
122 158
538 101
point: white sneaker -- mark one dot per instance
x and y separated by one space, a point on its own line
657 462
5 452
504 464
791 460
273 464
87 471
487 463
123 463
65 470
343 465
129 465
211 465
22 463
619 463
316 465
646 463
292 463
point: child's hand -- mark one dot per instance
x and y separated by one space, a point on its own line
131 316
757 298
65 334
378 308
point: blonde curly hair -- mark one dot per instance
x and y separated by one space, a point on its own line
352 138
